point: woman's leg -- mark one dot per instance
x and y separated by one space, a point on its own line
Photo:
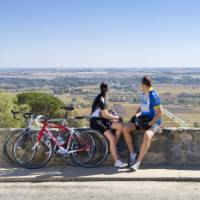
112 141
118 130
102 126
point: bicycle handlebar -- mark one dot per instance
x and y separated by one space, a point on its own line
26 115
14 113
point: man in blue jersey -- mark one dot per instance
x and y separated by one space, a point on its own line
147 117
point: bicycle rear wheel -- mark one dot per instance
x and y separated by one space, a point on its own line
83 148
101 149
30 156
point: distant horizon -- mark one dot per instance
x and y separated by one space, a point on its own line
103 67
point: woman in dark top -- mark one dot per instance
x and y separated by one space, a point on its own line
103 121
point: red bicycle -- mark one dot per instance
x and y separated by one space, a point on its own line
35 150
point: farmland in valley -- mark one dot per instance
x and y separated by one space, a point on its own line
179 88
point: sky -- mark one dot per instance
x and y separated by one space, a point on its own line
99 33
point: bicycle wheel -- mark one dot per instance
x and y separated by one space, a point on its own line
69 159
101 149
83 148
7 149
29 157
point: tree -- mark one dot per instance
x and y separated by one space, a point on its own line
40 103
6 118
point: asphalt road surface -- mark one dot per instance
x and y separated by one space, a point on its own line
100 190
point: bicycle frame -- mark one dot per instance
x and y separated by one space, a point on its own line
45 130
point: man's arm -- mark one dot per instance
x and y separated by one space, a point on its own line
157 116
138 111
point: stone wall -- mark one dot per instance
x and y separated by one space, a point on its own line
3 134
175 146
170 146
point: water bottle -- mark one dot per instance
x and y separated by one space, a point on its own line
60 139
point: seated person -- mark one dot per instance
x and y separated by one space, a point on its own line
149 111
103 121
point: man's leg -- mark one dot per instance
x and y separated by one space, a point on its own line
148 135
127 129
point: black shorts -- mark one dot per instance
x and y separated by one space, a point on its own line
100 124
140 122
133 120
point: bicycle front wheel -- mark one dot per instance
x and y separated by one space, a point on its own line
28 154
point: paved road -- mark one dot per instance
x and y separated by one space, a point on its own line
100 190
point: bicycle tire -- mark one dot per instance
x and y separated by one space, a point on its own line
102 149
8 146
76 143
33 162
9 158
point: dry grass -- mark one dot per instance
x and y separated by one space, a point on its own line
177 89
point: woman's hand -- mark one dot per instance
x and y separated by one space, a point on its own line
120 119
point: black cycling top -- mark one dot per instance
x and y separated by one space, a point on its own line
98 105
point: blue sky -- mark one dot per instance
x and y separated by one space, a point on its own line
99 33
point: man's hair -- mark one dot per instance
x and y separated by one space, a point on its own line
146 81
103 87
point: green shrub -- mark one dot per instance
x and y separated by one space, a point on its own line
6 118
40 103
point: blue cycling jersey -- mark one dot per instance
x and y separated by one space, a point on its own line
148 104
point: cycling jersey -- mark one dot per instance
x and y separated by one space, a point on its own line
98 105
148 104
97 122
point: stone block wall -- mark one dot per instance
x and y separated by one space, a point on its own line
170 146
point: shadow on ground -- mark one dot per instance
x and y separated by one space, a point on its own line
63 171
